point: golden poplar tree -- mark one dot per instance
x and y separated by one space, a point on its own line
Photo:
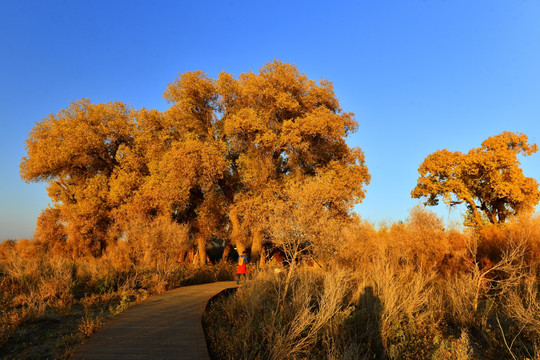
286 134
488 180
76 152
220 160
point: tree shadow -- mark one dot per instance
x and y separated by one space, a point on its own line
371 309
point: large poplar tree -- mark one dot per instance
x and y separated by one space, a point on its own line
223 156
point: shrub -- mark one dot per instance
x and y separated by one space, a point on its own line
90 323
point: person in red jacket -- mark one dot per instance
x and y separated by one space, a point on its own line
242 268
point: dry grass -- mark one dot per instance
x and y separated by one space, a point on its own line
49 302
413 290
256 326
406 291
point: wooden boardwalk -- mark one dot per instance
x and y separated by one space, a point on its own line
165 326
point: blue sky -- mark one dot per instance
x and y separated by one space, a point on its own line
419 75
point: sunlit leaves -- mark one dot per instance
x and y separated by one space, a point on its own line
79 141
488 180
286 134
224 154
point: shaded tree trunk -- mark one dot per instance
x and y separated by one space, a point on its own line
226 251
262 261
182 256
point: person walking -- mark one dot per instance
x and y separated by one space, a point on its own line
242 267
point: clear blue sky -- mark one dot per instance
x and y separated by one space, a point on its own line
419 75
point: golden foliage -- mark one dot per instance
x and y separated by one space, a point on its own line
488 180
224 152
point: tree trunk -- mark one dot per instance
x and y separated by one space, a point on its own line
240 248
235 232
181 256
226 251
262 261
201 246
256 245
292 268
476 214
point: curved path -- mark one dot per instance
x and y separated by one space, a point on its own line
165 326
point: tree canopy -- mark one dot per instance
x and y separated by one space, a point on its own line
488 180
225 153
